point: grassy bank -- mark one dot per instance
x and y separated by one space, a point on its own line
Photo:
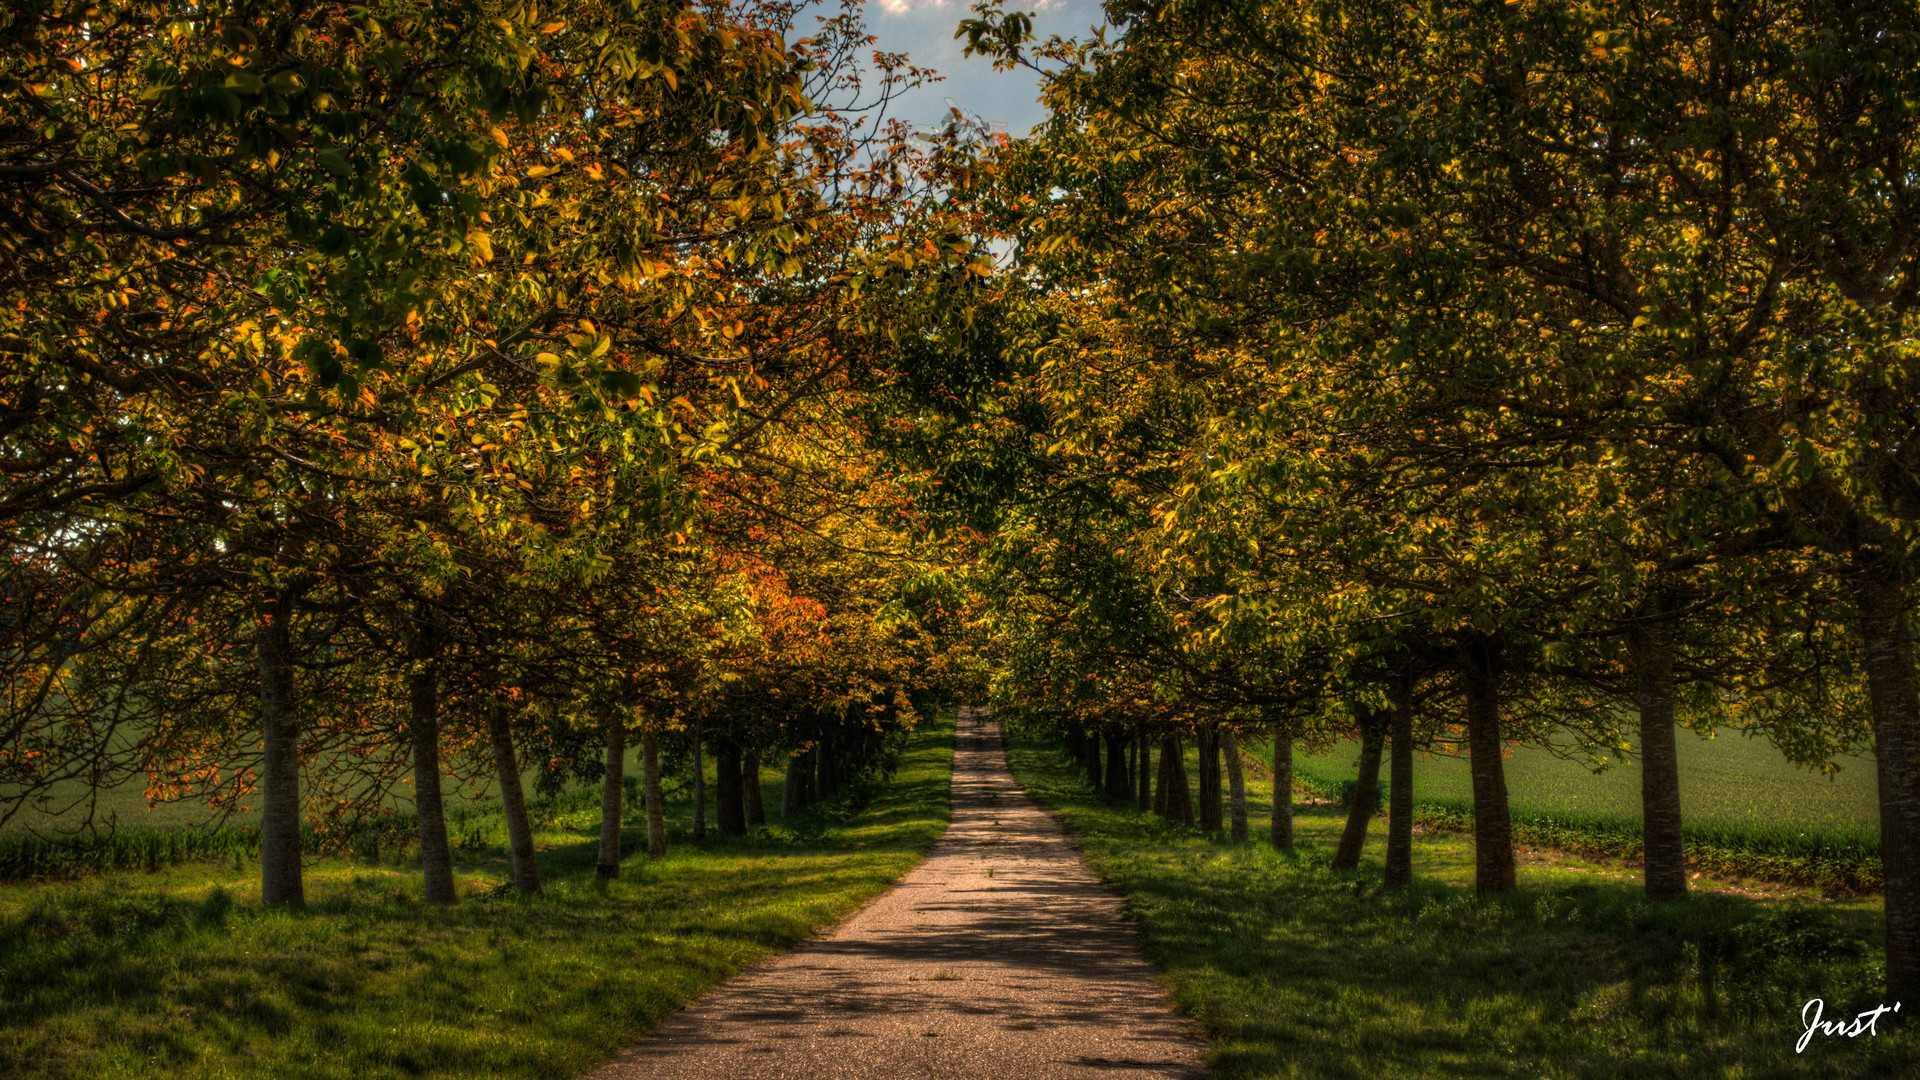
181 974
1295 970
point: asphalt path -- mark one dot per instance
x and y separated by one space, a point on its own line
999 956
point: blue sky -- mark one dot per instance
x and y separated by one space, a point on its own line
923 29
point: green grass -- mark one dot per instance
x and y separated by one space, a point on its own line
181 974
1727 781
1749 814
1292 969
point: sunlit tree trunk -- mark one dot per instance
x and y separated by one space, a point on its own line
1880 586
280 881
1665 857
1493 863
1366 793
513 801
656 804
423 693
1280 828
1399 868
1236 784
612 788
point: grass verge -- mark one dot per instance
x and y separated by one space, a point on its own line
1295 970
181 974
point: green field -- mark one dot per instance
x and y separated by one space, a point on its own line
124 806
180 973
1730 780
1293 970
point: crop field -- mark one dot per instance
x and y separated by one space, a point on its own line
1730 781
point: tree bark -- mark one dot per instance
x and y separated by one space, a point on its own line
1366 793
280 880
750 792
827 776
1493 865
1143 760
1280 828
1665 855
790 786
699 788
1399 868
1880 585
513 801
430 814
1163 781
1236 785
612 787
1207 739
729 809
1119 778
1091 744
656 804
1180 796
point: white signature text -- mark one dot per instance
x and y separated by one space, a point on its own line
1852 1029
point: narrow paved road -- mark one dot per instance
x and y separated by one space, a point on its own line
999 956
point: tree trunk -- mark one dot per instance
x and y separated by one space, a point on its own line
1280 829
612 787
1207 740
513 801
1119 779
1880 588
1163 781
1180 798
699 788
1399 870
280 881
1366 794
1236 785
1493 866
656 804
827 777
730 812
1665 856
790 786
750 786
1143 760
1092 747
423 692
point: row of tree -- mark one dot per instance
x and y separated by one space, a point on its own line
1457 377
407 391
